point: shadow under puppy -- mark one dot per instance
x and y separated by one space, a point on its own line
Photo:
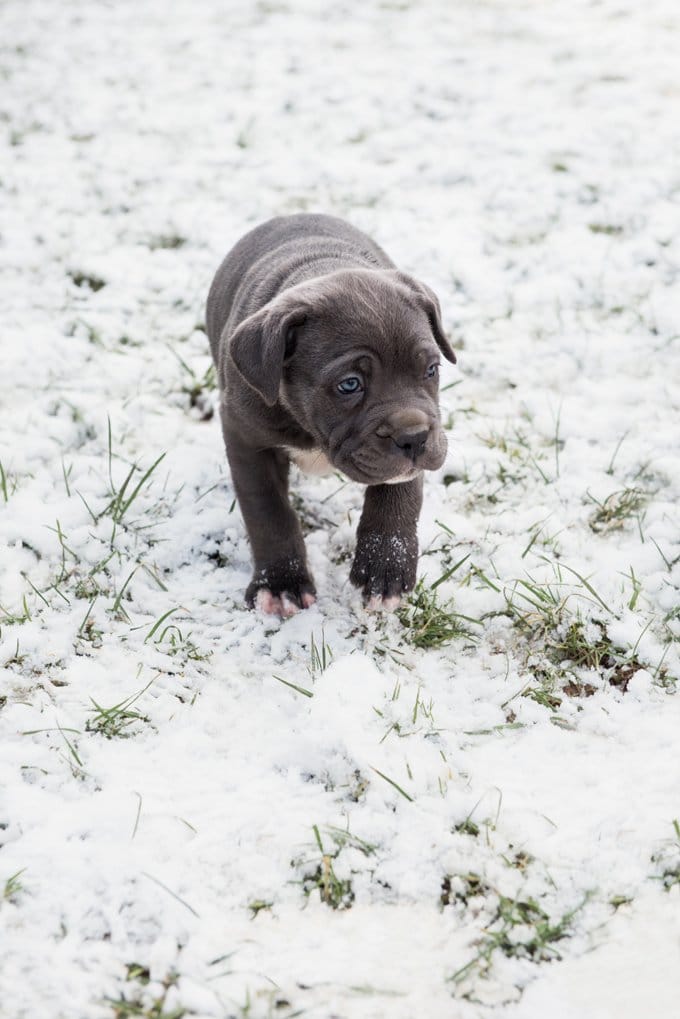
328 355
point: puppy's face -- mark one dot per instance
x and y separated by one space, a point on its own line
357 367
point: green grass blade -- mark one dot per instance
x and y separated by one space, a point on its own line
159 622
394 784
145 477
445 576
294 686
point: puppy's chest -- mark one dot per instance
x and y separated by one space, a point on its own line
310 461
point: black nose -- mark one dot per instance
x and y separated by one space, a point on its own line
412 444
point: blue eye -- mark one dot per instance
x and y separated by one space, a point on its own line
352 384
432 371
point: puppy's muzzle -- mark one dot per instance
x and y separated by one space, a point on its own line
404 443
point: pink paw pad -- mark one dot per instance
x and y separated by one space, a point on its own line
379 604
282 605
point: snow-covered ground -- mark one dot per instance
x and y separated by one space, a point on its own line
492 818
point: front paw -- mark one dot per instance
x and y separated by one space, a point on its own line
384 568
281 588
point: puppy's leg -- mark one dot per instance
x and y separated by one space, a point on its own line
386 556
281 582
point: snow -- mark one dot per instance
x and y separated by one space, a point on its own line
522 159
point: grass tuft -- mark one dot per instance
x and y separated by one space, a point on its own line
88 280
612 513
121 500
430 623
520 929
174 642
320 655
13 887
198 388
668 860
7 488
333 890
138 1003
595 650
258 905
116 721
467 827
460 888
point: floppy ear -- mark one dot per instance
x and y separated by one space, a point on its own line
262 343
430 303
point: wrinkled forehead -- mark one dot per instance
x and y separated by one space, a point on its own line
378 317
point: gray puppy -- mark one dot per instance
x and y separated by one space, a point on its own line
327 355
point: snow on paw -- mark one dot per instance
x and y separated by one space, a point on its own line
384 568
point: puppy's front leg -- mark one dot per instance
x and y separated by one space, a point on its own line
281 582
387 543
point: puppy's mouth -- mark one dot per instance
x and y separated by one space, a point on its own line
377 476
372 466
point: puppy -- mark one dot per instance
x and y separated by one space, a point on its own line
327 355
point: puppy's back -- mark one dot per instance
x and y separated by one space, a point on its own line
266 260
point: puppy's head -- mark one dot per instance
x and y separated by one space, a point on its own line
354 357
